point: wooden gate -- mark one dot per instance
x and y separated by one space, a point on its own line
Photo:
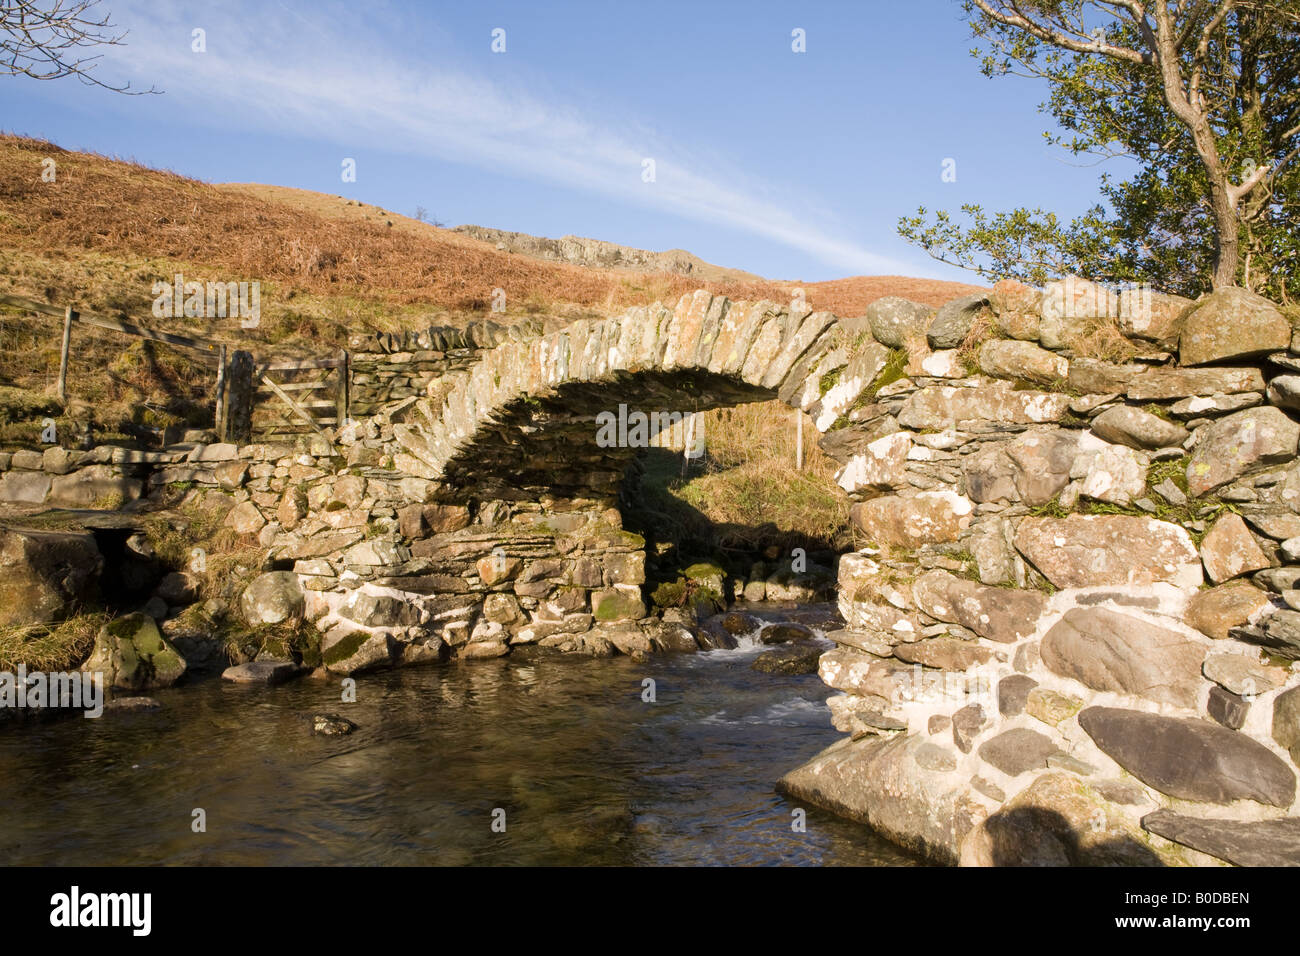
295 397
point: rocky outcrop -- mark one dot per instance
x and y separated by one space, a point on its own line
597 253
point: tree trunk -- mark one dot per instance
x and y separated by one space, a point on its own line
1227 253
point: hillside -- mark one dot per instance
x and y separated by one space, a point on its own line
106 229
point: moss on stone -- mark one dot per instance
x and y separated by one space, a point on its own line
632 540
895 368
669 594
344 649
1174 470
829 380
702 570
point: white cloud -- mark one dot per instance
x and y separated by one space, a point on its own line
318 75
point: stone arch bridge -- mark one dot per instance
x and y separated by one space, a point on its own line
485 514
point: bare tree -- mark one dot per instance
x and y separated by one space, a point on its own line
44 41
1193 52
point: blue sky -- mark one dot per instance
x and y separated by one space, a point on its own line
790 165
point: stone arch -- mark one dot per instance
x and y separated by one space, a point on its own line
522 422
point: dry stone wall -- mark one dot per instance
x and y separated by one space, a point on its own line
388 367
1071 639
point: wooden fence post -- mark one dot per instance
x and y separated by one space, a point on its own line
219 414
69 317
238 420
344 393
798 432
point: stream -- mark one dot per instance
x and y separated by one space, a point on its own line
585 770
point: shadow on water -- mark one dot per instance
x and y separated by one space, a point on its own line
586 770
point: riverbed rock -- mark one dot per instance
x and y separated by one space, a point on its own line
1093 550
1234 445
1231 324
132 655
272 598
791 659
45 575
1110 651
261 672
784 632
1190 758
132 705
1229 550
331 725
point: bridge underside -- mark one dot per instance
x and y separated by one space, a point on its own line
558 447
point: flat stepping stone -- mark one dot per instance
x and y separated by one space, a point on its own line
1244 843
1018 750
260 672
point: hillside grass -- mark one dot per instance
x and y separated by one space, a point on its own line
745 493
